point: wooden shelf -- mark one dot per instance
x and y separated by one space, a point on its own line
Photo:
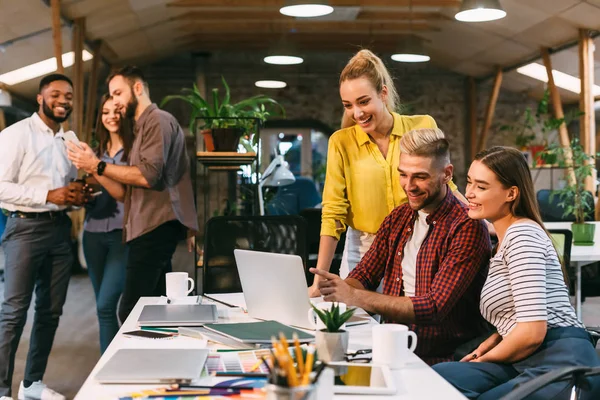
225 160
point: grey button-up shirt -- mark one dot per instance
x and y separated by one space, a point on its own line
159 152
105 214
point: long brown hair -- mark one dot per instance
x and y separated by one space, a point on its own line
103 136
366 64
510 167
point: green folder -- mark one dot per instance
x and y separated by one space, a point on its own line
259 332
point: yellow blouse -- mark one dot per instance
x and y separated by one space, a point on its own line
362 187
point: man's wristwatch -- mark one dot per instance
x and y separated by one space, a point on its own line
101 166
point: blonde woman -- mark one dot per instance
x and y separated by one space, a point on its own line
362 184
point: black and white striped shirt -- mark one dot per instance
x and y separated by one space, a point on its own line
525 282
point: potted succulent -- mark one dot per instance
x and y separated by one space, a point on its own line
576 201
224 122
332 342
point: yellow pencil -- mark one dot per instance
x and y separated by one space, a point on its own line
310 357
299 358
255 366
283 341
291 372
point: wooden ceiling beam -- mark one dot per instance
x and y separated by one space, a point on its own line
277 27
274 15
344 43
57 35
335 3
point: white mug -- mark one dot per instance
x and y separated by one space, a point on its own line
314 319
177 284
390 344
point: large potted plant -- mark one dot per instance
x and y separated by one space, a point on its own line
225 122
576 201
332 342
532 132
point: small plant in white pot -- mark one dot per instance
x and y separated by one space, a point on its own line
332 342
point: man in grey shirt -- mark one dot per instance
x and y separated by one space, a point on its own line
156 187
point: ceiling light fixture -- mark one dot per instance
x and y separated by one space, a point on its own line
562 80
412 49
40 68
283 53
305 8
267 84
283 60
480 11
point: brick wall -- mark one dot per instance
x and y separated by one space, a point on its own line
313 93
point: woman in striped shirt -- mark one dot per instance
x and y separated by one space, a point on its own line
525 296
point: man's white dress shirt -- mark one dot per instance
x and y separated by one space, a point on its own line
33 160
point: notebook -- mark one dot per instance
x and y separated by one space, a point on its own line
153 366
259 332
178 314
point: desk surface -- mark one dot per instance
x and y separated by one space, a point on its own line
581 254
415 381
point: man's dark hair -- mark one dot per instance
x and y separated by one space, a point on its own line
129 72
48 79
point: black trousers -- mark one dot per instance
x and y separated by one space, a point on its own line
149 260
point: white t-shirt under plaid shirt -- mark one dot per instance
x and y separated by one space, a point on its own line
525 282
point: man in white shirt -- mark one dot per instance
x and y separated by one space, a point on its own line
35 190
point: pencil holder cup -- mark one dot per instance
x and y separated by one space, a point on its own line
276 392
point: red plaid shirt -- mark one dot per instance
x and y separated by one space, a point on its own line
451 269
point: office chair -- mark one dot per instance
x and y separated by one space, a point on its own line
291 199
579 377
563 241
273 234
551 211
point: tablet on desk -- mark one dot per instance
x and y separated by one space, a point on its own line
355 378
178 314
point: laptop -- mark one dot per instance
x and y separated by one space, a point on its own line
274 287
178 314
153 366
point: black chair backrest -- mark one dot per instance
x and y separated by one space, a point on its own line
552 211
274 234
577 376
563 241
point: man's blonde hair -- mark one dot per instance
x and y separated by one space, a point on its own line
426 142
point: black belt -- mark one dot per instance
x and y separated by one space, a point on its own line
47 215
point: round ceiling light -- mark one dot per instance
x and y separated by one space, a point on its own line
283 60
268 84
410 58
480 11
309 10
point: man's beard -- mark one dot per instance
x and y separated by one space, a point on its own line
131 106
50 114
433 197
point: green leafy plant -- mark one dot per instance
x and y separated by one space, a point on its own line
541 122
219 112
332 318
574 198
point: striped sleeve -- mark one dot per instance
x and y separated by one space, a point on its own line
525 258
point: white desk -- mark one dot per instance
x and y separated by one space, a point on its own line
417 381
580 256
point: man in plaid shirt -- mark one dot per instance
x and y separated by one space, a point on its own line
431 256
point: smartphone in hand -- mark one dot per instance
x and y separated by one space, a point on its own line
69 136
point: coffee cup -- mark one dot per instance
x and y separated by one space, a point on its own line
390 344
179 284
